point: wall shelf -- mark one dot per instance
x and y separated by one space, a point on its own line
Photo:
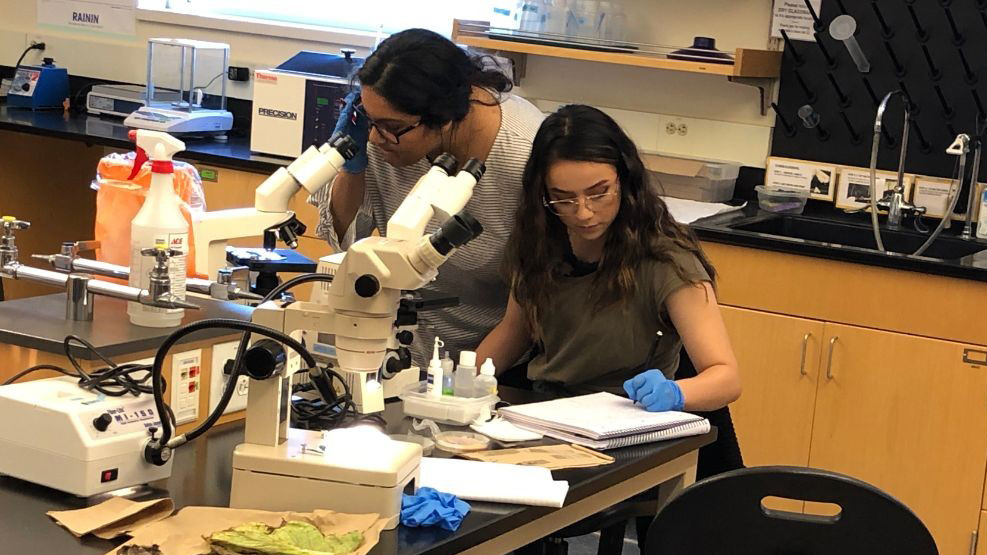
754 67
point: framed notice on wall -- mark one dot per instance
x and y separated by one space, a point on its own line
853 192
819 179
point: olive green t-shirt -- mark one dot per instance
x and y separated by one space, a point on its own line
589 349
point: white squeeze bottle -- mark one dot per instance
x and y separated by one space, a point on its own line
463 382
486 383
159 223
433 381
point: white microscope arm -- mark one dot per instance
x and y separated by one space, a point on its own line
311 171
365 294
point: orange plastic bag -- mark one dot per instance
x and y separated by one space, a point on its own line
118 199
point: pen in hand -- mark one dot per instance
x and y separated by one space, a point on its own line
651 354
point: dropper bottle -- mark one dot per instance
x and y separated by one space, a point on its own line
433 383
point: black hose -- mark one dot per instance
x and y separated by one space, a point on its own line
241 350
156 449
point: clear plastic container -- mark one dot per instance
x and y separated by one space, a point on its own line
687 178
782 201
448 409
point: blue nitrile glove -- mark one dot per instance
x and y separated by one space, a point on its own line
357 126
430 507
655 392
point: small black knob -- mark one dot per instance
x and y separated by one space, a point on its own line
405 337
367 286
102 422
25 87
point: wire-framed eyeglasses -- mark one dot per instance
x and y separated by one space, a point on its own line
570 206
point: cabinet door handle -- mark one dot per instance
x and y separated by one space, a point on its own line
829 359
805 347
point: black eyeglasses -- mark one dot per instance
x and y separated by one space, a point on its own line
393 137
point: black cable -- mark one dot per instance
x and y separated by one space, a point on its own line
157 449
297 280
35 46
114 380
241 350
37 368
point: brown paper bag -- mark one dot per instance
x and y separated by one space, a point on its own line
552 457
113 517
184 533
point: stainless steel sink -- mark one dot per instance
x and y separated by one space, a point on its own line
946 247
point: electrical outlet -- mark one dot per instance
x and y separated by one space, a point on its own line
186 385
682 129
670 128
221 353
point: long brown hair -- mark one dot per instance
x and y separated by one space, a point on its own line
643 227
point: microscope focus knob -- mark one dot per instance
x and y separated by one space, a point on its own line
102 422
405 337
367 286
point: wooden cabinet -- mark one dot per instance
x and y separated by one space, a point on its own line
908 415
778 357
902 401
981 534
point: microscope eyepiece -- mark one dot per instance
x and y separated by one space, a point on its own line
455 232
344 145
447 162
475 167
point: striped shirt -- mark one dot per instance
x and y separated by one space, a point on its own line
473 273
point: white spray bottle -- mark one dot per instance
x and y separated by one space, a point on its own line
159 223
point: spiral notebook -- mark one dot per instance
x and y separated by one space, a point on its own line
603 416
694 428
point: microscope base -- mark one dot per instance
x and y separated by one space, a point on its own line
397 384
351 476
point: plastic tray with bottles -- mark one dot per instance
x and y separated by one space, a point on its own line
447 409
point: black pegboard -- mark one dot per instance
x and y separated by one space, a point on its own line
934 128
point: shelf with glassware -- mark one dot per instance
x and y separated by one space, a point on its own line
747 66
745 62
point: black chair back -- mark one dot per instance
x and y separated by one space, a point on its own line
724 515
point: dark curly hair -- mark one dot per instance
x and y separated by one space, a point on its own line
424 74
643 228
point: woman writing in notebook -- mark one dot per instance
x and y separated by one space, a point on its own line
605 283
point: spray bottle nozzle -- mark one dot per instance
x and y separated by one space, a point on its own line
140 158
158 147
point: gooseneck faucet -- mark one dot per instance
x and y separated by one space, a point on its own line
893 200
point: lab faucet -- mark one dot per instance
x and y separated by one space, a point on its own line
231 284
80 288
893 200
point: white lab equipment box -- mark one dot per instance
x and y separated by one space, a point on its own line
293 111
